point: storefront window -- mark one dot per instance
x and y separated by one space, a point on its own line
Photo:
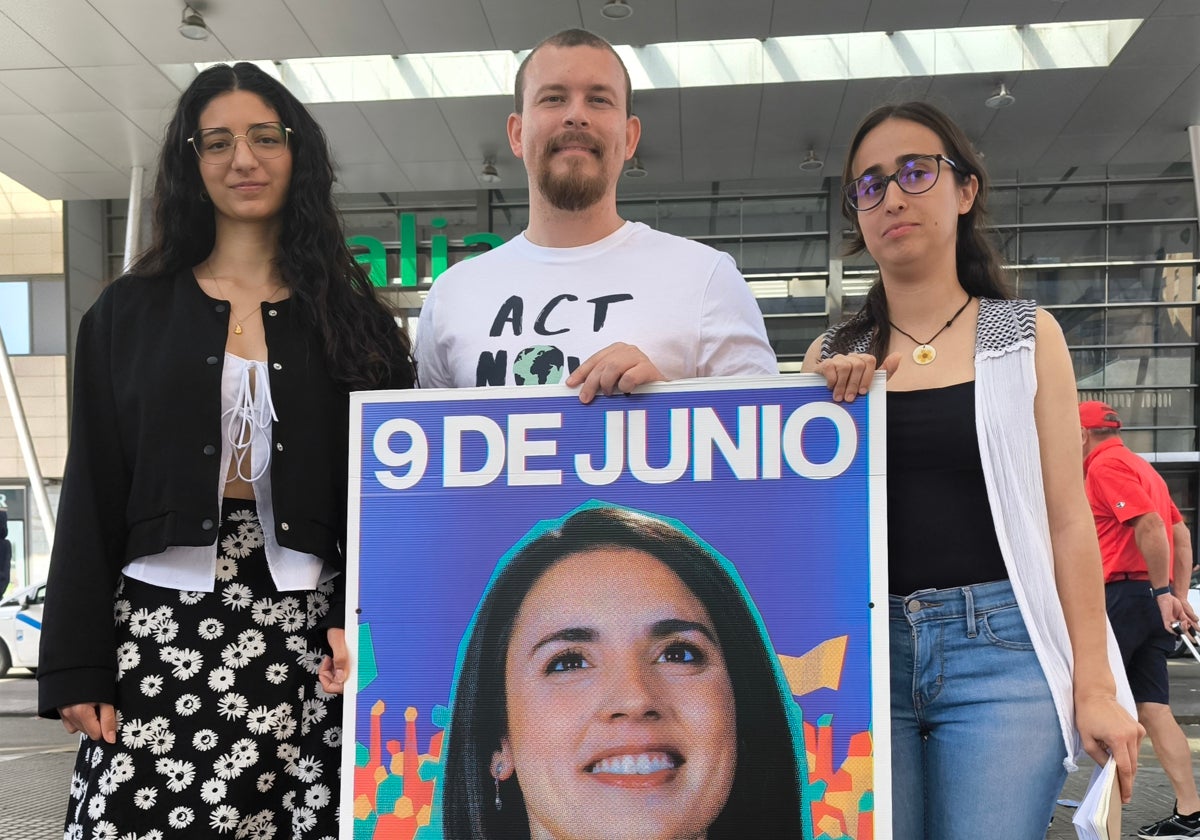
1061 203
1082 327
15 316
1002 205
1151 200
13 499
1151 241
1051 286
1062 245
1114 261
1148 325
509 220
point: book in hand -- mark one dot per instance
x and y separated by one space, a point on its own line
1098 816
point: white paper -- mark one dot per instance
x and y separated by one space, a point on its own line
1187 640
1091 818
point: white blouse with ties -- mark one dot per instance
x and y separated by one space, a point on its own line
247 414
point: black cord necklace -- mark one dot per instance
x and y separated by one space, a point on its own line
924 352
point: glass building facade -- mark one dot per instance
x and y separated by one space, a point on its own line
33 324
1114 259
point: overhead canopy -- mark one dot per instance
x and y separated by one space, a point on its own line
414 95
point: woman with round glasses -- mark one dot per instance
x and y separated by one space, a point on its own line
197 567
1000 668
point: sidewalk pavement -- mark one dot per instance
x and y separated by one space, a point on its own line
18 695
37 757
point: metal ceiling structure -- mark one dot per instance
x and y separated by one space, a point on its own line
86 87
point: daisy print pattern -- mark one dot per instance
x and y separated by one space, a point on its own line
223 729
224 819
251 534
128 658
210 629
213 791
265 611
220 679
180 817
151 685
236 596
204 740
241 542
107 783
226 568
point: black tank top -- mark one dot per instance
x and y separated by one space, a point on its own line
940 528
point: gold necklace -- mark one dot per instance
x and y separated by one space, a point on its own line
924 353
237 322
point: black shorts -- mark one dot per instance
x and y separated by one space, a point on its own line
1144 642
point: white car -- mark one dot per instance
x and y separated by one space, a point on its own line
21 628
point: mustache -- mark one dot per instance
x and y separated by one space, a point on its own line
573 138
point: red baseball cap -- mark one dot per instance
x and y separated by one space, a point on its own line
1098 415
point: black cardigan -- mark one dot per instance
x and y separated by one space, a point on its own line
143 464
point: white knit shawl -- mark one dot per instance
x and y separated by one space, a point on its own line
1005 386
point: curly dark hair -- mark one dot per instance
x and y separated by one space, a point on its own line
364 347
765 801
978 263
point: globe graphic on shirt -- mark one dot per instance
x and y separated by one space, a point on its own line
542 365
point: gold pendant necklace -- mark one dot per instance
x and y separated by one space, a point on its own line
237 322
924 353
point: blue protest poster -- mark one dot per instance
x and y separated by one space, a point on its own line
629 608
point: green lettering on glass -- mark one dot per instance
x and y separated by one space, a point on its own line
408 249
375 257
439 260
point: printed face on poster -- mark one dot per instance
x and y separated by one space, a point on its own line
643 617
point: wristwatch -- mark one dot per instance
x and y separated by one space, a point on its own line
1162 590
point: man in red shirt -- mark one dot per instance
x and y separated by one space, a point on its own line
1147 554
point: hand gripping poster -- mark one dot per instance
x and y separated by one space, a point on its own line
653 616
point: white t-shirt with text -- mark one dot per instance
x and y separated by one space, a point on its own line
523 314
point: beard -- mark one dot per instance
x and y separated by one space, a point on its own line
575 189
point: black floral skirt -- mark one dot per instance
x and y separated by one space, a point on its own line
223 728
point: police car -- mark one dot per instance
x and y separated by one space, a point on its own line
21 628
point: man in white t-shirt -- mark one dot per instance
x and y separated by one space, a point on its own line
582 296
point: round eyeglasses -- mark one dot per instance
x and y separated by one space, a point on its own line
916 176
216 145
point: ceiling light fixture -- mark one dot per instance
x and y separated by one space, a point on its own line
635 170
1001 98
616 10
192 25
489 174
811 162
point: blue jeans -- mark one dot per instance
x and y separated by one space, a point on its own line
977 751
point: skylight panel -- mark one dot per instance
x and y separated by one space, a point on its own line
690 64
